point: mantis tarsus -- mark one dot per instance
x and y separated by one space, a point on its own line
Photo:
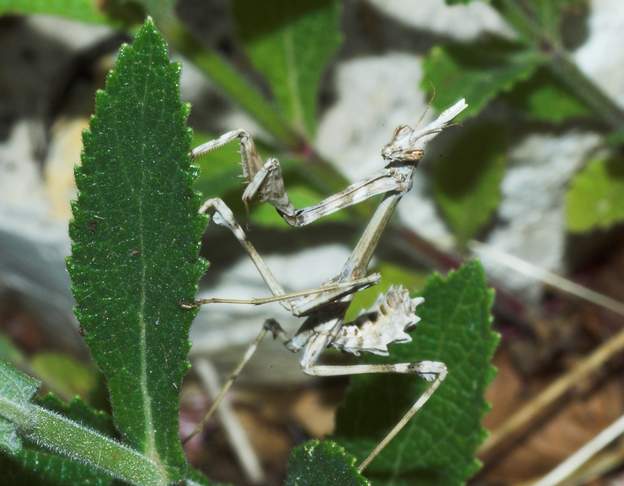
324 308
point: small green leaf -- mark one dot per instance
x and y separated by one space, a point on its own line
326 463
543 98
82 10
595 199
136 234
43 428
33 465
15 386
9 440
16 390
63 374
478 72
290 43
467 179
10 353
438 446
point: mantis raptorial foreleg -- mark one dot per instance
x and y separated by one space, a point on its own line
266 184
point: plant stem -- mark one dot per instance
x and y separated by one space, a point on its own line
560 63
84 445
233 84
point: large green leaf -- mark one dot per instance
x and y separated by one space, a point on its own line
595 199
438 445
326 463
467 179
290 43
136 234
478 72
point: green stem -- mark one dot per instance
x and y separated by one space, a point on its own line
560 64
84 445
232 83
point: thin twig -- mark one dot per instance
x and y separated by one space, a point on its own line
220 395
598 466
580 457
555 281
233 430
541 403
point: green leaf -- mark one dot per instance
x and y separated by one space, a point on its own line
136 234
478 72
391 274
10 353
543 98
439 444
325 463
68 438
290 43
34 465
16 390
63 374
595 199
82 10
467 179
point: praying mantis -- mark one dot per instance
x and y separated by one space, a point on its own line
324 308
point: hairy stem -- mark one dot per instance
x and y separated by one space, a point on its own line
84 445
560 63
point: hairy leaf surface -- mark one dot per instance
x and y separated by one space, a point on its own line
16 390
290 43
136 236
323 462
438 445
33 465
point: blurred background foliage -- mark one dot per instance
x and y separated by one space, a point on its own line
275 62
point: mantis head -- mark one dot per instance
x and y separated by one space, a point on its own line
403 147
